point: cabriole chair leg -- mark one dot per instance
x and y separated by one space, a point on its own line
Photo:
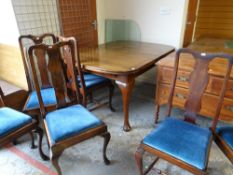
39 131
107 137
111 92
138 157
54 159
33 146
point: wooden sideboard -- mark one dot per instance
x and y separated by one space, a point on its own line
211 96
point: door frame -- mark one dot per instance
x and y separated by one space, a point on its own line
186 21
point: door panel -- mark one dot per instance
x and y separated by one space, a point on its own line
190 23
78 19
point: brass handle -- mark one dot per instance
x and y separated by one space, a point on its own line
180 96
229 108
181 78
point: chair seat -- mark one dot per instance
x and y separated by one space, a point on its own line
11 120
92 80
48 97
69 121
181 140
227 135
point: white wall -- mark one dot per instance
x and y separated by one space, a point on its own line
166 29
8 31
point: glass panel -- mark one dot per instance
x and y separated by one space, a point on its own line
126 30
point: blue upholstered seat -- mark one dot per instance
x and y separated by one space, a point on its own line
91 80
182 140
69 121
227 135
11 120
48 96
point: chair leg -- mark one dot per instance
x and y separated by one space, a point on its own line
111 92
138 157
33 146
91 97
107 137
157 113
39 131
15 142
54 158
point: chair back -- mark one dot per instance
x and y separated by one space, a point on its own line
56 68
25 41
1 100
67 60
198 82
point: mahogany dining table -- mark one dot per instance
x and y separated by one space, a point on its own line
123 61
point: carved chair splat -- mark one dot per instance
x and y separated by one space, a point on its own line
68 124
173 139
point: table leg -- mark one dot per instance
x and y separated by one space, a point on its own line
126 90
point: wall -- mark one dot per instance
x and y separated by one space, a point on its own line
166 29
155 28
9 31
11 67
215 19
23 17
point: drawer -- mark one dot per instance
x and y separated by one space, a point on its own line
214 86
165 75
208 104
227 110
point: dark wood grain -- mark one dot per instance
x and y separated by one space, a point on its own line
61 82
198 81
123 61
82 85
24 42
26 129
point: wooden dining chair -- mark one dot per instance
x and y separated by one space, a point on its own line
31 105
14 124
70 123
224 139
183 143
88 82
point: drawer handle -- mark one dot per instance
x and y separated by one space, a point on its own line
180 96
229 108
181 78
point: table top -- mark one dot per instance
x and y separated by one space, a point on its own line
122 57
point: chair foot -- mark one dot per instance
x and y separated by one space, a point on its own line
107 137
54 159
111 92
15 142
138 157
39 131
33 146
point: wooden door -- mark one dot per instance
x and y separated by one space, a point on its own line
190 22
78 19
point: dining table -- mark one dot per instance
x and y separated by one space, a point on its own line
123 61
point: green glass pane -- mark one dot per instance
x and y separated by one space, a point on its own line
126 30
229 44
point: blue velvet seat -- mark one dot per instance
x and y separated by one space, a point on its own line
189 143
11 120
92 80
70 121
226 133
48 96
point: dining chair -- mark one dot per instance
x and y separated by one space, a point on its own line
31 105
224 139
88 82
14 124
182 142
70 123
